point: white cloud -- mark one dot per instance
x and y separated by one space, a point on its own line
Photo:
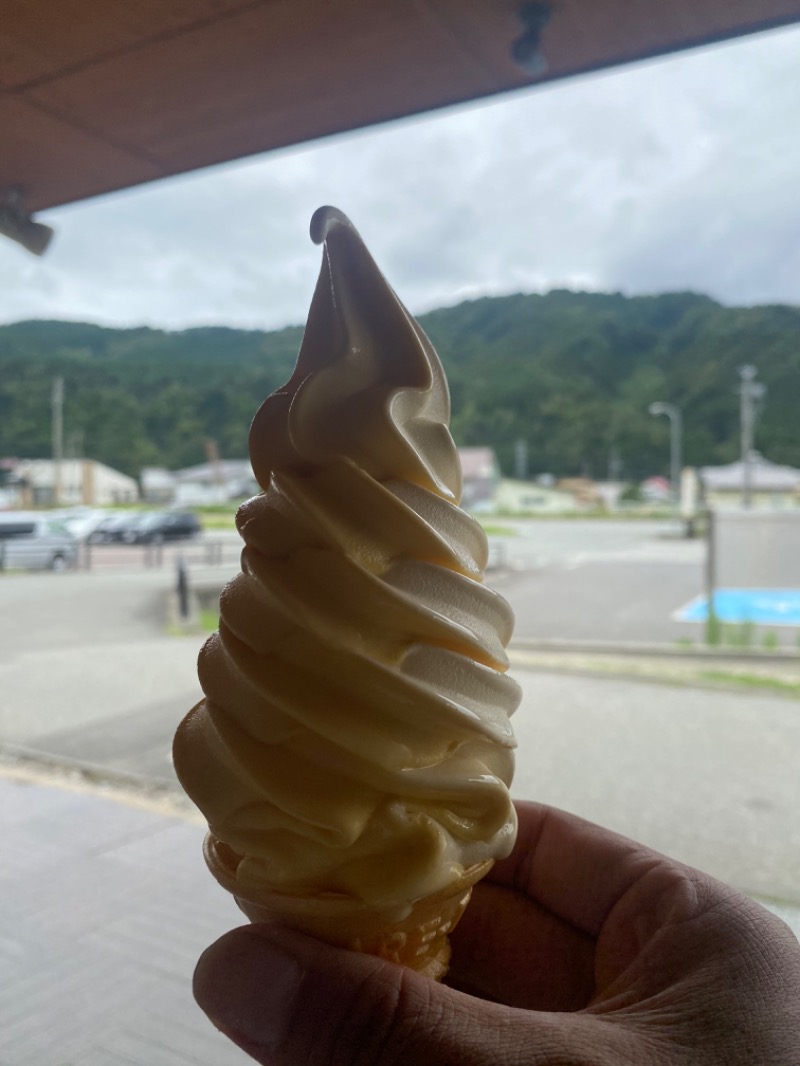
671 174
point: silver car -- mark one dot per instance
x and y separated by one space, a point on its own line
32 541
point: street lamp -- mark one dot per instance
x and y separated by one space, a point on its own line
675 425
752 392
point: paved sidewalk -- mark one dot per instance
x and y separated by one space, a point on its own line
104 909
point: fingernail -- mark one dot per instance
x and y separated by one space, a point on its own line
246 984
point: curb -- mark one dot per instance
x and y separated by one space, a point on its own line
32 764
665 651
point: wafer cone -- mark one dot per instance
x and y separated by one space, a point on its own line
418 941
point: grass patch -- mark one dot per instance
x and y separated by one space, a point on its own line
229 508
750 681
217 520
209 619
590 514
492 530
732 634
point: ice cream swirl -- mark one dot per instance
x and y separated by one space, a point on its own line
354 737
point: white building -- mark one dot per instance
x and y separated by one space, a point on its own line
772 486
480 472
41 482
204 485
528 497
217 482
158 485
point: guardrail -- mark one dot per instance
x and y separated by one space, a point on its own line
201 552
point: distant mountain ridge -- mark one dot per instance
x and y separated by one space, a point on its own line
570 373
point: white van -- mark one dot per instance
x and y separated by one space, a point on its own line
32 541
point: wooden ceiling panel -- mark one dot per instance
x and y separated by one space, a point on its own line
86 165
97 95
43 38
301 92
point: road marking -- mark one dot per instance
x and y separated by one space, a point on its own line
776 607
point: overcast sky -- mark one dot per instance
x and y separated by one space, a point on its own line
677 173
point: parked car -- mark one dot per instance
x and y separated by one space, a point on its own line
81 521
31 541
158 526
110 530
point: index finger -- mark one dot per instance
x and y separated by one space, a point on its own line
573 868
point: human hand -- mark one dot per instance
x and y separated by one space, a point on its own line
581 949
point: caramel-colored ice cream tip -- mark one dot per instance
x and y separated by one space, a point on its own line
354 741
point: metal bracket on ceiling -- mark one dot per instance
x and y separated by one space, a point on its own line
19 226
526 51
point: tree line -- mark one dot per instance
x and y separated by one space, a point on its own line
570 374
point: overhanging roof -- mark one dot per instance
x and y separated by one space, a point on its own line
97 95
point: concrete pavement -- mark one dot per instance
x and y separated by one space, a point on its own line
707 777
114 706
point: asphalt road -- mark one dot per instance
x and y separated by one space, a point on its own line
616 581
603 601
599 581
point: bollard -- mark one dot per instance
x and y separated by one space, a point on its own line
712 621
183 588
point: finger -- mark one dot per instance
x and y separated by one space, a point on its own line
286 999
572 868
608 886
509 949
678 921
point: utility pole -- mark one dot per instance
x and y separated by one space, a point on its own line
521 460
57 401
215 465
614 464
750 391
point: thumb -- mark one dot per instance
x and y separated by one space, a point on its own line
286 999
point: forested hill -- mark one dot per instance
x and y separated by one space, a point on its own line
570 373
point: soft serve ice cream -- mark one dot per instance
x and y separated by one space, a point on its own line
354 742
